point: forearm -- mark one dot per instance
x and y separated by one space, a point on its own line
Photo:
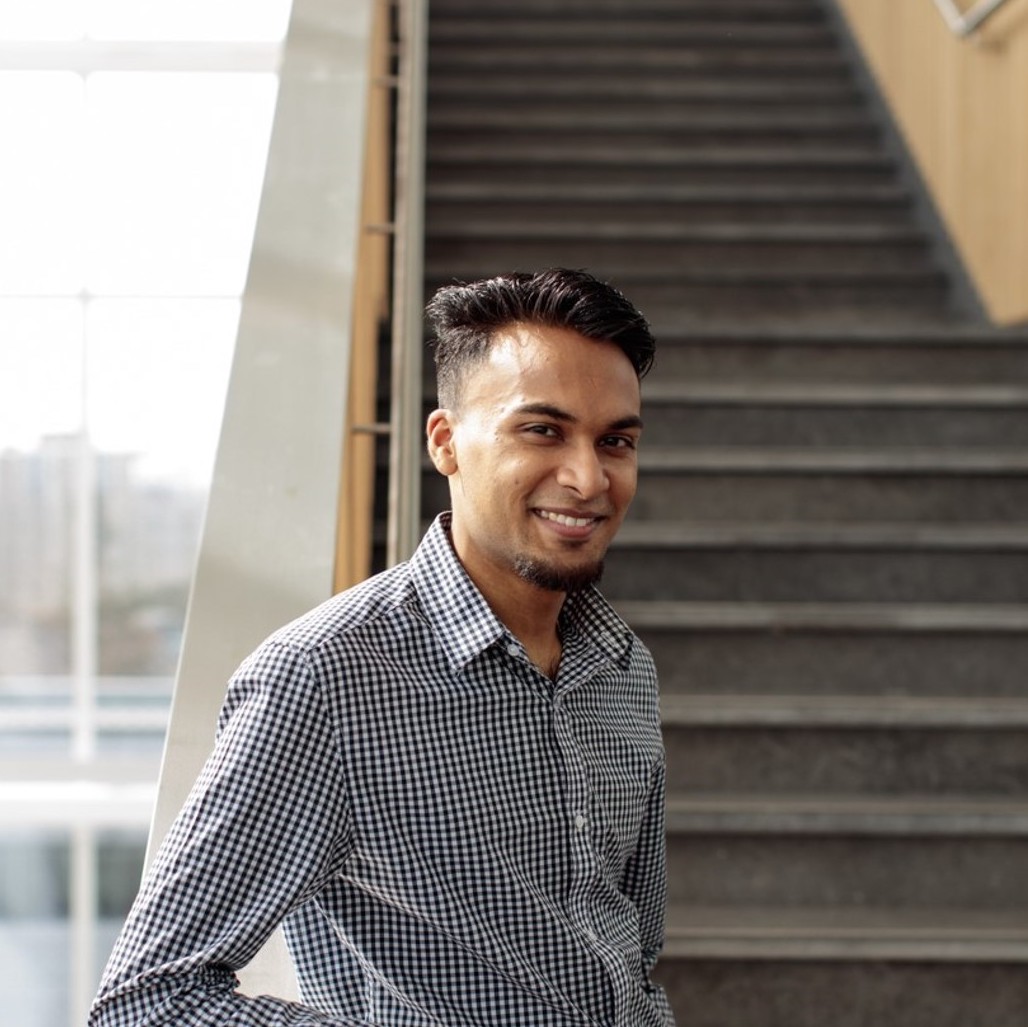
265 827
206 997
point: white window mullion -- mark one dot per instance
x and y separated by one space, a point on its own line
83 912
85 591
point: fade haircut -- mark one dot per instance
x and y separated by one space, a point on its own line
466 317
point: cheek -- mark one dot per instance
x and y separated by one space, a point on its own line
624 481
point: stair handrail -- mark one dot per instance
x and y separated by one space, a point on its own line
963 23
408 340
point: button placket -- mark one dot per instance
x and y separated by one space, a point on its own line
584 868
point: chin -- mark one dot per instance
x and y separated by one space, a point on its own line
558 578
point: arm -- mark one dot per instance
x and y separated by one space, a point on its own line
645 883
265 826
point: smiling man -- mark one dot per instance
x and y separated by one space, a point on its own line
448 782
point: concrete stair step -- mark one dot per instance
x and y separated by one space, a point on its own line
849 816
769 969
685 299
544 10
926 460
742 413
846 748
856 712
669 247
533 122
858 851
873 618
672 110
682 157
803 535
682 86
771 649
515 202
569 32
821 484
638 570
790 356
605 58
630 233
933 935
684 166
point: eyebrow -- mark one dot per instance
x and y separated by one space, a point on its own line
548 410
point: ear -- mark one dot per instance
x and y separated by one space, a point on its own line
439 434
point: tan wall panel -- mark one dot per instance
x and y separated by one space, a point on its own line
962 106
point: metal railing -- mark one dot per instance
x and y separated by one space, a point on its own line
405 442
964 23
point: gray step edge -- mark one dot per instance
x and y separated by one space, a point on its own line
904 536
846 711
941 935
901 460
831 395
920 618
862 816
627 232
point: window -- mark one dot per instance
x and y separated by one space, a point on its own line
135 135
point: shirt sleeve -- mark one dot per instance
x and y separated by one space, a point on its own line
265 826
645 883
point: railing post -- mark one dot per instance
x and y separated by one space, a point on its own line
405 443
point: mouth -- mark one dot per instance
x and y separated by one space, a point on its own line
568 520
569 525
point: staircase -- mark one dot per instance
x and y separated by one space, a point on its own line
828 554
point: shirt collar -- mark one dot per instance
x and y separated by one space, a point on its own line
466 624
591 616
456 609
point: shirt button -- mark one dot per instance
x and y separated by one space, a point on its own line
513 650
591 934
580 822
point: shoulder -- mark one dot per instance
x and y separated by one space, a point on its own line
381 601
329 642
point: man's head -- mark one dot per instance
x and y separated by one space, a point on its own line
538 425
466 317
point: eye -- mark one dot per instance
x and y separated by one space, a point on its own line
545 430
618 442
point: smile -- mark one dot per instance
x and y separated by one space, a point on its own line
565 520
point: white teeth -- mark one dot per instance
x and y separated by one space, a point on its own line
572 522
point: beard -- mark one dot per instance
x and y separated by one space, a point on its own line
554 578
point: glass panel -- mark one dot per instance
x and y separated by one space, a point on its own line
120 857
40 409
158 371
34 930
40 183
238 20
175 172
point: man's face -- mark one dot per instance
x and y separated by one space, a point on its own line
541 457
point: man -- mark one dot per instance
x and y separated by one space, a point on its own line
446 783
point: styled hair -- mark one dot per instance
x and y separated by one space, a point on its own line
465 318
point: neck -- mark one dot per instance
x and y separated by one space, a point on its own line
530 614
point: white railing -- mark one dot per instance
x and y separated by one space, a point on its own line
964 23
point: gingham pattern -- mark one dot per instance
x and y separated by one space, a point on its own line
450 838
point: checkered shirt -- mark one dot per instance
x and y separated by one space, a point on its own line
448 837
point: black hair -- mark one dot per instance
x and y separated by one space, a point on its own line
466 316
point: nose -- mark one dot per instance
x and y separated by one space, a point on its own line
582 470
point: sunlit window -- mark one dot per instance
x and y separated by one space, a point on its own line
134 137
